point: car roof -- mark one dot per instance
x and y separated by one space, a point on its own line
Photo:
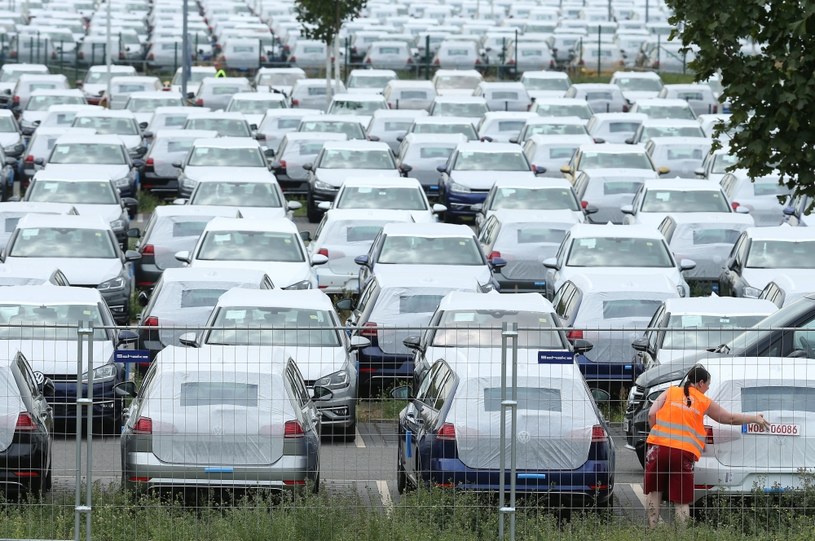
253 359
712 219
611 148
402 276
362 215
258 96
211 274
217 115
357 97
781 232
383 182
617 280
512 115
635 117
602 172
465 300
533 183
163 211
669 123
72 139
106 113
355 144
460 99
574 139
242 175
227 142
56 92
427 230
483 147
69 175
72 221
423 138
638 231
359 119
399 113
681 185
46 295
532 217
557 120
177 133
665 102
281 225
719 306
308 299
444 120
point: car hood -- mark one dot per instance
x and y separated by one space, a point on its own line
58 357
106 212
9 138
316 362
759 278
92 171
282 274
33 116
635 95
673 370
79 271
472 273
483 180
546 94
264 213
336 177
454 92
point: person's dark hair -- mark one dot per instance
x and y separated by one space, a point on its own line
694 375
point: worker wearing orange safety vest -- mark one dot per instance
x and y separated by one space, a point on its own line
677 439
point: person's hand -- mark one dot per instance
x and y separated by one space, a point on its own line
762 422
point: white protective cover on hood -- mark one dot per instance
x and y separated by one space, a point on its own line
191 427
58 357
709 258
555 435
110 171
11 404
759 278
79 271
282 274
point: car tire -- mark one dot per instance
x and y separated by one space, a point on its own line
349 434
312 212
401 477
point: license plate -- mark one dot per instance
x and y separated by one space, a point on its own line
626 425
776 429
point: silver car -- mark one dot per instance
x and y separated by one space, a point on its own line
232 418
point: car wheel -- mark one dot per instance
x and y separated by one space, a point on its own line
316 488
312 212
349 434
401 477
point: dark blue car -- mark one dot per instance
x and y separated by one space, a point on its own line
449 434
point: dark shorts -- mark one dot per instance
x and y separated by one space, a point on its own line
671 470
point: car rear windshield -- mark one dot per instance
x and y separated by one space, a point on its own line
87 193
619 252
684 201
627 308
237 194
226 157
781 254
482 329
690 331
555 129
364 197
221 393
534 198
778 398
529 399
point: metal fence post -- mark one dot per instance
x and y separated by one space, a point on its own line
427 57
509 333
84 334
599 48
659 50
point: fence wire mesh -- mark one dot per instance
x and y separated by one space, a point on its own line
303 420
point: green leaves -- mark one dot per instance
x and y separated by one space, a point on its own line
322 19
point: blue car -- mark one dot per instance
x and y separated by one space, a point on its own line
449 433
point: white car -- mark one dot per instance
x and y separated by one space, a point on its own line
764 197
659 198
386 193
344 234
230 157
273 246
12 211
682 155
627 250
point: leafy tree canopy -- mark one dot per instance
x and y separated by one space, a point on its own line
322 19
772 92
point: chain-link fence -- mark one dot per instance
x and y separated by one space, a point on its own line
318 428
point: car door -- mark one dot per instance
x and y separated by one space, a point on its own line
366 271
420 417
730 282
650 356
39 405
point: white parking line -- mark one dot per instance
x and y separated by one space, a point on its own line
637 488
387 503
358 439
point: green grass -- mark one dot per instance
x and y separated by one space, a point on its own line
148 202
423 515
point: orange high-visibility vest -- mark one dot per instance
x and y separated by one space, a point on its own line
679 426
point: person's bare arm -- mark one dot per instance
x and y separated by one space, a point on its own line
655 407
721 415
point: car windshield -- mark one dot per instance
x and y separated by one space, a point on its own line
684 201
614 160
250 246
462 82
97 77
408 250
640 84
781 254
467 130
538 83
255 106
65 242
7 124
356 107
482 329
79 191
107 125
236 194
690 331
467 160
666 131
721 162
352 129
667 111
534 198
226 157
268 326
580 111
88 153
619 252
356 159
51 322
42 103
226 127
149 105
369 82
365 197
280 79
555 129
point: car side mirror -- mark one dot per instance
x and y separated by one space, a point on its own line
590 209
687 264
318 259
581 346
405 168
663 170
788 211
269 153
699 172
551 263
44 384
413 342
306 236
294 205
177 165
125 389
143 298
131 205
345 305
126 336
308 166
403 392
324 205
640 344
133 233
358 342
132 255
190 95
514 140
143 125
741 209
188 339
438 208
260 136
147 134
183 256
627 209
566 169
441 168
39 161
629 141
497 263
599 141
478 207
539 169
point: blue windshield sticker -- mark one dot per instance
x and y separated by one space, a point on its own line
223 469
131 356
555 357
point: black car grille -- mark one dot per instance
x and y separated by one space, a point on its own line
636 399
61 377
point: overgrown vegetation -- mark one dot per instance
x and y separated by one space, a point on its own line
431 515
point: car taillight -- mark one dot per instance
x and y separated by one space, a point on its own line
709 435
368 330
584 204
367 60
263 58
151 321
323 251
436 62
447 432
29 158
574 334
150 162
148 249
282 164
409 61
151 56
294 102
199 102
25 423
292 59
715 109
144 425
293 429
598 434
121 55
734 205
16 100
625 108
494 254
